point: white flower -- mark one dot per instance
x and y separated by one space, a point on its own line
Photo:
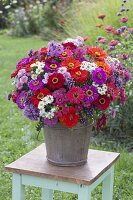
7 7
41 105
39 71
33 65
49 99
102 89
34 76
1 11
49 115
45 80
43 113
62 70
40 64
88 66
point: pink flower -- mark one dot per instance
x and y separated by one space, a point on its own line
24 79
124 19
103 40
62 110
75 95
109 28
19 85
21 73
113 43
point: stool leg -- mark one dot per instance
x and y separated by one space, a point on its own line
47 194
84 193
107 192
17 187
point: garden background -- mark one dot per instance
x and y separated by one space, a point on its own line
26 25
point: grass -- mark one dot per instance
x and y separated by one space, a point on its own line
82 17
18 135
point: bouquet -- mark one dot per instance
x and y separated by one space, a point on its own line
68 83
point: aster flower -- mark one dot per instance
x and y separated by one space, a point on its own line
50 122
21 99
36 84
60 96
75 95
99 76
90 93
31 112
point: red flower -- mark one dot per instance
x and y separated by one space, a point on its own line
56 81
69 45
97 53
102 102
101 16
113 91
101 122
14 74
71 118
79 75
39 94
70 63
75 95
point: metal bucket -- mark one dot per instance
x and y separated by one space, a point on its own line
65 146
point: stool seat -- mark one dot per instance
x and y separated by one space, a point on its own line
35 164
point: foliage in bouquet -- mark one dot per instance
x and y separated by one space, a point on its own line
118 41
69 83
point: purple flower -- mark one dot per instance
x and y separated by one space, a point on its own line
51 66
55 49
119 82
50 122
31 112
80 53
60 96
99 76
23 62
127 75
35 84
90 92
21 99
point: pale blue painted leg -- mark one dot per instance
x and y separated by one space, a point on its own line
17 187
107 192
47 194
84 193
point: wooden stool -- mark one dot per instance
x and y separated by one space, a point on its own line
34 170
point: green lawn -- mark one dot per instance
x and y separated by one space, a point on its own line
18 135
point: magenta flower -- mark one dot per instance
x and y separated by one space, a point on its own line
60 96
62 110
113 43
36 84
109 28
99 76
51 66
91 94
124 19
21 99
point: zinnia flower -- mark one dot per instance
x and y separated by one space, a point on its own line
96 53
90 93
71 119
21 99
99 76
113 91
70 63
102 102
105 66
36 84
75 95
56 81
124 19
79 75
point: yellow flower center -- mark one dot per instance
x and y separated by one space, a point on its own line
102 101
40 96
36 83
55 80
97 53
89 93
71 65
64 53
78 73
53 66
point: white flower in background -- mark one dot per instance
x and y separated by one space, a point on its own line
34 76
62 70
7 7
77 42
14 2
1 11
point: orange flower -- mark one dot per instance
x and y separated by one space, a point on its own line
105 66
70 63
96 53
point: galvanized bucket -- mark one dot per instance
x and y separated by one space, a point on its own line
65 146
